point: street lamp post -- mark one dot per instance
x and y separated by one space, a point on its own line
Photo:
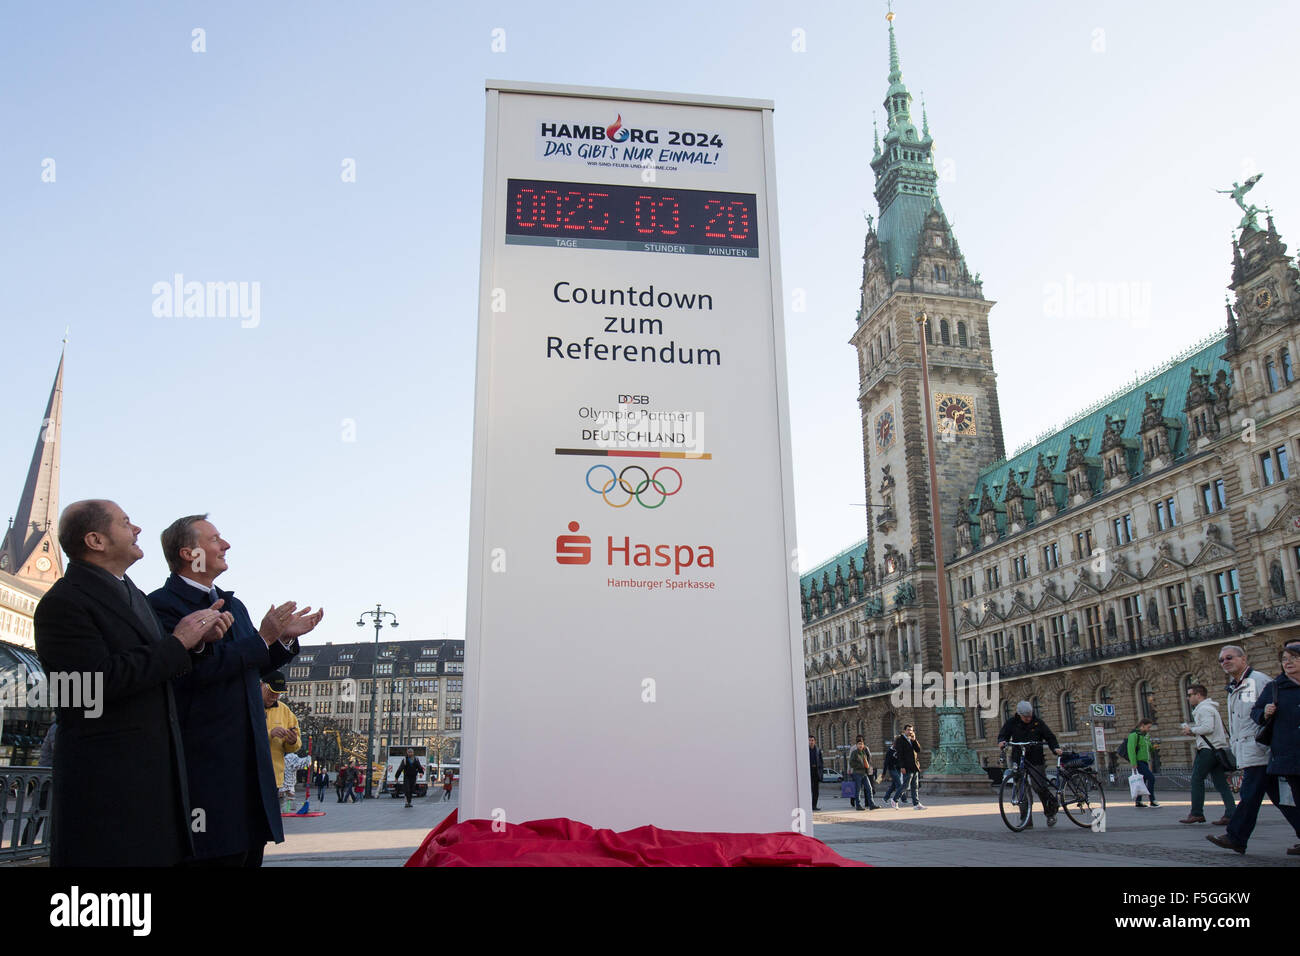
378 615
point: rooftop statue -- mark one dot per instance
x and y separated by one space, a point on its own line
1237 192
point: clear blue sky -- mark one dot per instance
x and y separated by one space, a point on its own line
1066 152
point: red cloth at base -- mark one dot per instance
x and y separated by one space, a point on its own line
564 842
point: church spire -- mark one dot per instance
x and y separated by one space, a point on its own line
30 549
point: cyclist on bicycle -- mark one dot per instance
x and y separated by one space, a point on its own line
1024 728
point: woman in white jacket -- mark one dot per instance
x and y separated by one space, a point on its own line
1207 728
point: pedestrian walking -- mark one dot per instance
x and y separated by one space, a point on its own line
1245 687
340 780
1279 706
354 781
322 781
1211 737
815 767
860 767
446 786
1138 745
408 771
895 788
909 762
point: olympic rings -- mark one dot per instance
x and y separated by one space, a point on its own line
642 485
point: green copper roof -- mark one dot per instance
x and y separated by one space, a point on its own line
828 567
899 231
1170 381
905 174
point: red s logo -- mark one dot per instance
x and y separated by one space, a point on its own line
573 548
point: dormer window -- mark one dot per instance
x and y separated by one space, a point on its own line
961 334
1270 370
943 332
1288 373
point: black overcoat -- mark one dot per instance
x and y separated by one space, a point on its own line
119 778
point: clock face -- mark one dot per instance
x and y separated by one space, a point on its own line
1263 299
955 414
886 431
42 564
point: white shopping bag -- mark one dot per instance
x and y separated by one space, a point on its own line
1137 787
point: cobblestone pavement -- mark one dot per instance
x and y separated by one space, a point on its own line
952 831
968 831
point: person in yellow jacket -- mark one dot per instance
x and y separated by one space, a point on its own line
281 724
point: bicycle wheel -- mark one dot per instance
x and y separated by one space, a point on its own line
1083 800
1015 802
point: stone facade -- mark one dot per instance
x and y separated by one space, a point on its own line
1104 564
419 697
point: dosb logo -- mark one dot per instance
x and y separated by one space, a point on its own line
634 399
573 548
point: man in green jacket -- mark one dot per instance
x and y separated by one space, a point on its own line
1139 755
860 767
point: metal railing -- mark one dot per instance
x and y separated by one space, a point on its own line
25 812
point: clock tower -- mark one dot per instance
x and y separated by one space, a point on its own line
912 264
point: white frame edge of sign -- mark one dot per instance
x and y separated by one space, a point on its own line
475 590
632 96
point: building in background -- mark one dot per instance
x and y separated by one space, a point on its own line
1101 566
418 698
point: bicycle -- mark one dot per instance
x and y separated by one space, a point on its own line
1076 789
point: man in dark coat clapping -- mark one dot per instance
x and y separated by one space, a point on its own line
94 626
222 717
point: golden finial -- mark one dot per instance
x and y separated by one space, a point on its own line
890 15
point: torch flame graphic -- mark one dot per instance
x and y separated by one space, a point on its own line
611 132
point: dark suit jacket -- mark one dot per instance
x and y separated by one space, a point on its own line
119 779
223 723
909 753
409 769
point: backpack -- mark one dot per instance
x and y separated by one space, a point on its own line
1122 750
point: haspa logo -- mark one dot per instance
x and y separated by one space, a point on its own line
573 548
576 549
616 133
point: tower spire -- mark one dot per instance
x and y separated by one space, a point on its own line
30 549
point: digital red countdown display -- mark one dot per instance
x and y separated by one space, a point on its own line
637 218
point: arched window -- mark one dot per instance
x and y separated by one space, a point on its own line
980 732
1271 371
1034 701
1103 695
943 332
1288 373
1146 701
929 336
1067 712
961 335
1006 710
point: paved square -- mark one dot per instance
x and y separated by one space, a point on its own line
952 831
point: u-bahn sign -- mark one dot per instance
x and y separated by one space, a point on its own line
633 651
